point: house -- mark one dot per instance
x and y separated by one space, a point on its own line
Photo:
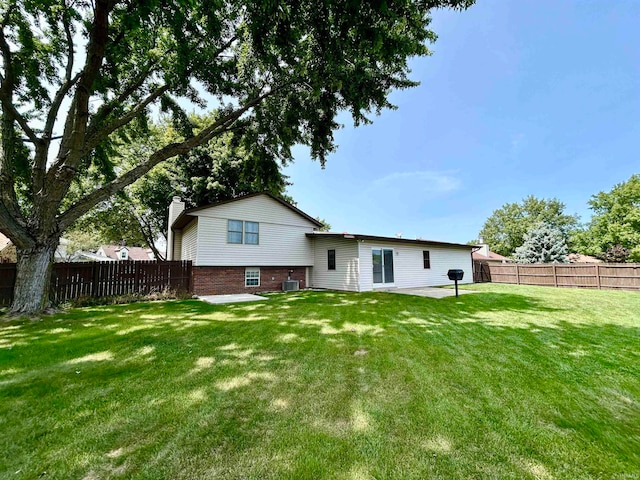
122 252
580 258
256 242
483 254
8 253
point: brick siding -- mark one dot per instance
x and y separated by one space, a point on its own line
228 280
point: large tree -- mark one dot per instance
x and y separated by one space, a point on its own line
75 76
505 229
615 224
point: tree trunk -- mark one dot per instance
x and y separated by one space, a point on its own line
33 280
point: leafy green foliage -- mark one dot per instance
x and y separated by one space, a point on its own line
542 244
505 229
615 221
223 168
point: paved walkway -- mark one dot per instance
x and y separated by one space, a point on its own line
240 297
431 292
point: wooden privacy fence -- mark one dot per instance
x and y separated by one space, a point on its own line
105 279
622 276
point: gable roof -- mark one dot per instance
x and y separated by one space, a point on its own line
135 253
356 236
182 220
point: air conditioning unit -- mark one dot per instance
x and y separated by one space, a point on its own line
291 285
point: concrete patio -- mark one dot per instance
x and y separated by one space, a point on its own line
431 292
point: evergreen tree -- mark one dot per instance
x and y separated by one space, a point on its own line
542 244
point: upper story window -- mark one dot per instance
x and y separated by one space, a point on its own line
251 233
426 259
234 231
243 232
331 259
124 255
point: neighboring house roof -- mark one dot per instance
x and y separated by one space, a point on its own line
579 258
492 256
183 219
134 253
376 238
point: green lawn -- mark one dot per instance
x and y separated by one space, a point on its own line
512 382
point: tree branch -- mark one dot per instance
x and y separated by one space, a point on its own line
90 200
99 136
14 229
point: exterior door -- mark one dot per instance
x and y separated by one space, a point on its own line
382 266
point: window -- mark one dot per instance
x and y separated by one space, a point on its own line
425 259
124 254
331 259
252 277
234 231
251 233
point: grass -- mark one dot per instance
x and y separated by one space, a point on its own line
512 382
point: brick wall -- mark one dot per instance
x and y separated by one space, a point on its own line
227 280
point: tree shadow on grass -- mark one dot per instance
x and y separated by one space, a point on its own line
191 390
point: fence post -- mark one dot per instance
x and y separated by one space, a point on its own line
598 277
555 276
96 278
517 274
136 278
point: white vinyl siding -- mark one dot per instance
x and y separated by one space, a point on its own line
189 247
345 276
282 233
408 264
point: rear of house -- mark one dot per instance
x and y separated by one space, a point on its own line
361 263
256 242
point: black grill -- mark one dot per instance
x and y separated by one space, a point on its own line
455 274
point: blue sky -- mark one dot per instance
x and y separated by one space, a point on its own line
519 98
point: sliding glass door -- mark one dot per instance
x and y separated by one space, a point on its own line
382 265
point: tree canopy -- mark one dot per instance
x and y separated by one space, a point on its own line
505 229
615 224
221 169
80 79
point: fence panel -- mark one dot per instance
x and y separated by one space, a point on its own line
624 276
104 279
7 281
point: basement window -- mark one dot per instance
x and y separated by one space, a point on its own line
252 277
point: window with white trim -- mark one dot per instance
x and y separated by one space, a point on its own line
124 255
251 233
234 231
251 277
